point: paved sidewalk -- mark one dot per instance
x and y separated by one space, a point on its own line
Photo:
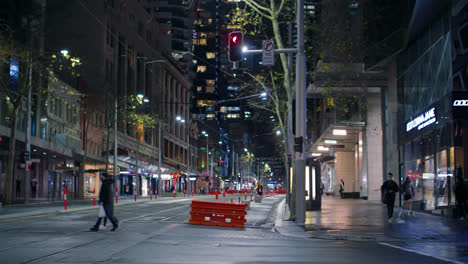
362 220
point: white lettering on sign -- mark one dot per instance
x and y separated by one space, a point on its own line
460 103
422 121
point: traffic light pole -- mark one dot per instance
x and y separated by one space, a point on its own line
301 109
300 115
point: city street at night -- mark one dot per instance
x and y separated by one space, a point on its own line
233 131
158 232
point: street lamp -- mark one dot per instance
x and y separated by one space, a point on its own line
180 119
207 158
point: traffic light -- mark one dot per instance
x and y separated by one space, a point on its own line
235 46
298 144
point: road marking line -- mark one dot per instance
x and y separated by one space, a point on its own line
420 253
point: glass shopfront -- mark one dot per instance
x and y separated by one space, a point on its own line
429 161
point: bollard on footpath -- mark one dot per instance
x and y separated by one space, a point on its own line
116 195
135 194
65 198
239 200
94 197
216 196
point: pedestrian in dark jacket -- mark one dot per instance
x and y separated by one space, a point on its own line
389 189
461 195
106 199
407 190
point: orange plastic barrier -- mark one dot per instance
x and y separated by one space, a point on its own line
217 214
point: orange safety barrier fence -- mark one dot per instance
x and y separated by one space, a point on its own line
217 214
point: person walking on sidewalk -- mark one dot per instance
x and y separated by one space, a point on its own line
389 189
341 188
106 199
407 190
461 195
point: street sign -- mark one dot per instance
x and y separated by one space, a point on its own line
26 156
268 54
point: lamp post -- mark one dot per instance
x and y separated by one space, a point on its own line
182 120
159 126
207 164
142 100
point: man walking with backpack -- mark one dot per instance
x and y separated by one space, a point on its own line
389 189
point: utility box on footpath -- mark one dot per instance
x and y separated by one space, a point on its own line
314 186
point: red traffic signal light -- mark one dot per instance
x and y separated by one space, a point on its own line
235 46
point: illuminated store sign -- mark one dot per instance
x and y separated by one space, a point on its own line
460 103
422 121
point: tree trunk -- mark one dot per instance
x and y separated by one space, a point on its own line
11 157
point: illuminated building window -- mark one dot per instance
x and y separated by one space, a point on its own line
234 108
210 55
231 116
204 103
199 41
210 21
232 88
210 82
210 116
202 35
201 68
223 109
199 88
233 27
210 89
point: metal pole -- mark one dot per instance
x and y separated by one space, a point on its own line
115 140
159 158
300 115
207 164
27 141
188 149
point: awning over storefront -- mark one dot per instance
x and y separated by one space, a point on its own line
336 138
206 174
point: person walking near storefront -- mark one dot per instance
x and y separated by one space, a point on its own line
407 190
106 199
341 188
389 189
461 195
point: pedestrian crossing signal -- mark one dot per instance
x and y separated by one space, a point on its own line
298 144
235 46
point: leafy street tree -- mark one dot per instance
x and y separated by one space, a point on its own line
268 18
27 66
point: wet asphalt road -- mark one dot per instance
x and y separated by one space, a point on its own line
158 232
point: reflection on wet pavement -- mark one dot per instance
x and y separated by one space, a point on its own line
361 220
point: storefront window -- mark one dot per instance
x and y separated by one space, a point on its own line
90 183
428 178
